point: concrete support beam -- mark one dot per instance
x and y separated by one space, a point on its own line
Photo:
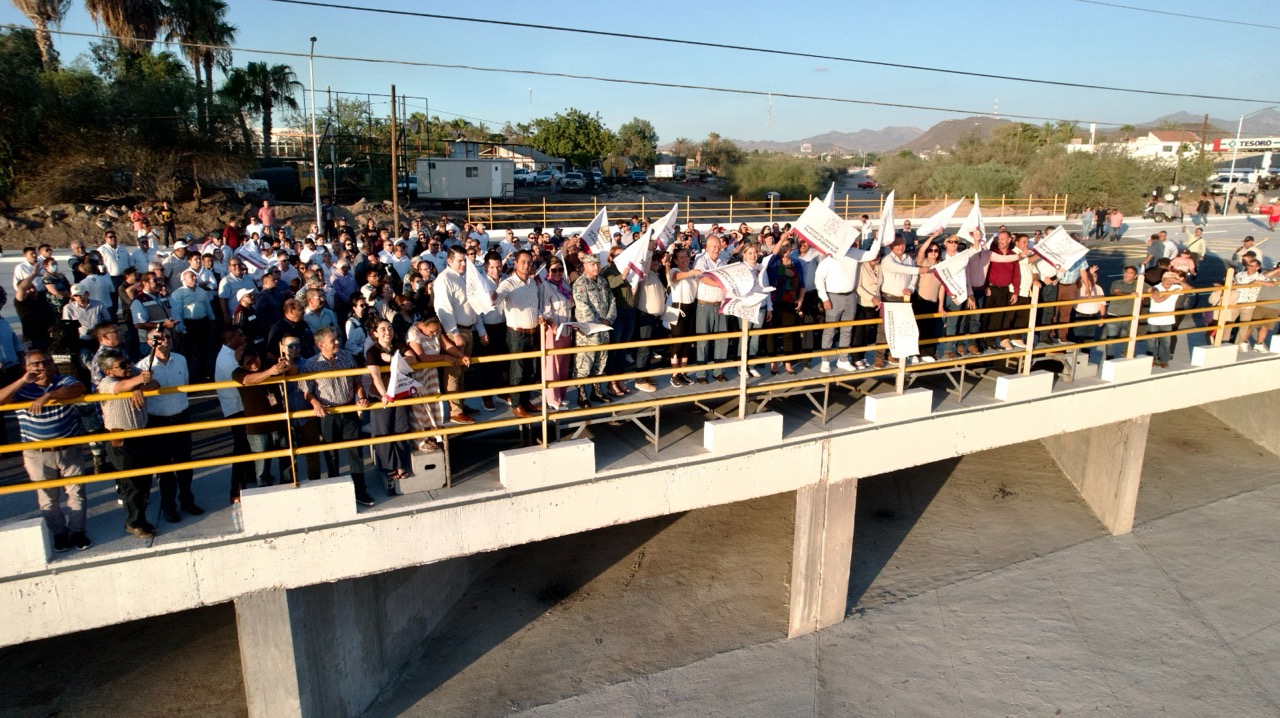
1211 356
1024 387
535 467
737 436
1256 417
888 408
1105 465
821 555
328 649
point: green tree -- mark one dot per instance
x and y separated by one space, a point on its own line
133 23
684 147
638 140
20 64
574 135
260 89
719 154
205 36
42 14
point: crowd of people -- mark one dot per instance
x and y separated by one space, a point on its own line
249 303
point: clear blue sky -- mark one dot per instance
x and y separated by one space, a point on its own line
1051 39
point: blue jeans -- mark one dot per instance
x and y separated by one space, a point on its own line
1161 347
709 320
624 327
1117 329
952 326
262 467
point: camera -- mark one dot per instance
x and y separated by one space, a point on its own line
156 340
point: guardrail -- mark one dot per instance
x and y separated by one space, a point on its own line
734 211
744 389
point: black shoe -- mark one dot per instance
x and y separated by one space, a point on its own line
140 531
61 542
364 500
676 380
171 515
469 411
583 402
720 377
80 540
193 509
600 397
702 380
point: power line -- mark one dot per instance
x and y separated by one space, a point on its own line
411 97
771 51
612 80
1182 15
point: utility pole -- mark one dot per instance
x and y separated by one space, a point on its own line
1204 131
395 174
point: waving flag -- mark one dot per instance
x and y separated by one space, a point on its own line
597 235
939 220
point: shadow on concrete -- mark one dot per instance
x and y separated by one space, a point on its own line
524 584
889 506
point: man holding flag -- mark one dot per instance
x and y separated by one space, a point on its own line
520 299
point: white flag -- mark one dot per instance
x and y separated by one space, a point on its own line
402 384
939 220
887 230
830 199
953 274
663 232
596 235
480 290
974 223
746 308
737 280
825 230
1059 249
633 262
900 329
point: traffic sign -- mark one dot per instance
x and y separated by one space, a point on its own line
1257 144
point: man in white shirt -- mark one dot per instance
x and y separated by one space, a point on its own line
899 276
231 284
176 264
142 257
114 259
30 264
192 308
482 236
708 319
519 297
174 447
836 280
459 321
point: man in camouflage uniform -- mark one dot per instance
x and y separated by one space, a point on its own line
592 302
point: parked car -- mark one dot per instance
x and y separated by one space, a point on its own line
637 177
599 177
524 178
573 181
544 177
1239 185
869 184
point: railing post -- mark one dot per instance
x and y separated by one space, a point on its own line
642 212
1066 207
688 210
468 209
730 210
1223 306
1030 201
1133 323
1031 330
489 220
544 212
900 381
745 341
846 207
1001 205
542 372
914 203
288 427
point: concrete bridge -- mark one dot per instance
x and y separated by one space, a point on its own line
330 604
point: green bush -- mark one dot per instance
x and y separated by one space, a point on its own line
792 177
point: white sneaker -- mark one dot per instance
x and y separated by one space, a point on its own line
862 364
753 372
1017 344
825 367
1261 348
844 365
927 359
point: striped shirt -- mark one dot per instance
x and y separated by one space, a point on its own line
54 422
120 414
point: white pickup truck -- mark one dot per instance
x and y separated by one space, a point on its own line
1240 185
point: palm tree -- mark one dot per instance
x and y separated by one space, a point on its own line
258 89
133 23
42 14
1128 131
205 38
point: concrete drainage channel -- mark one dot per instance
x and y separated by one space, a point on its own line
568 616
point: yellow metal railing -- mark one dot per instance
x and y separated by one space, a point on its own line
742 391
733 211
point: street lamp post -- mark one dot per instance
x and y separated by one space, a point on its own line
315 142
1235 150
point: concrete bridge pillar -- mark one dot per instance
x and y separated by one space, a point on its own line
1256 417
821 554
1105 465
328 649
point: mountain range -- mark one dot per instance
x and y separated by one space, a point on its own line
948 132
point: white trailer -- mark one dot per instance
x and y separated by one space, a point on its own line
443 178
664 171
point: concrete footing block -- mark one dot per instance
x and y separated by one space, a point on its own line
428 474
1024 387
272 509
1084 369
1118 371
887 408
25 546
1211 356
536 467
736 436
